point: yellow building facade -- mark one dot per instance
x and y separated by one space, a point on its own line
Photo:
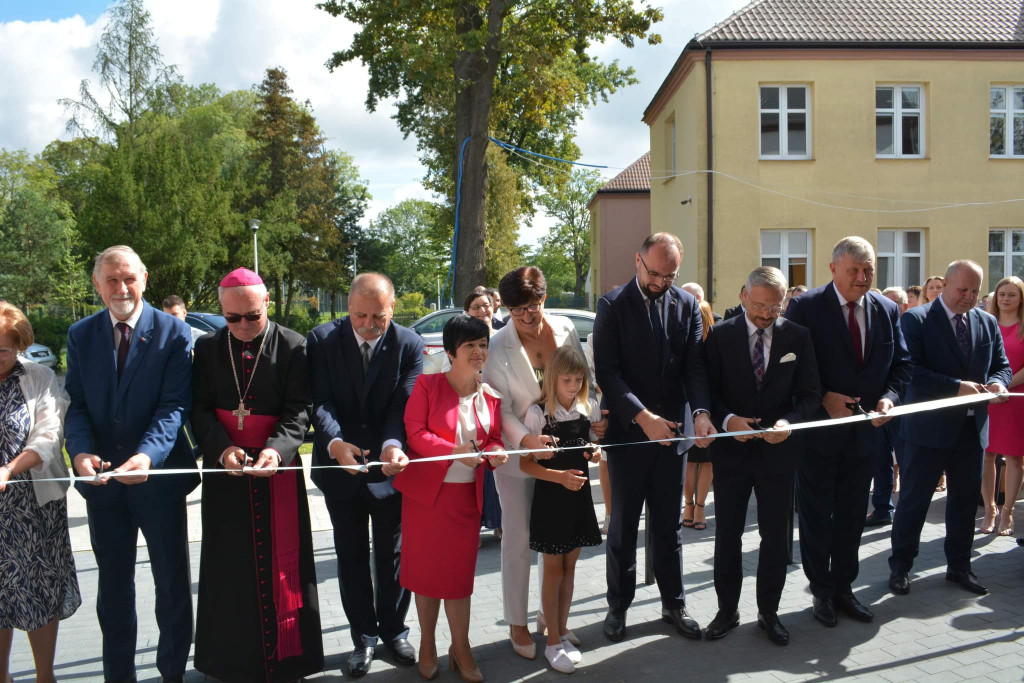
920 151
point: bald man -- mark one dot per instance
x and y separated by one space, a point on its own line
363 368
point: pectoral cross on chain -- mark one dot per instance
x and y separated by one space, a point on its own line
241 413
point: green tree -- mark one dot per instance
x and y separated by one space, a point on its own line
131 71
570 236
410 243
34 236
464 69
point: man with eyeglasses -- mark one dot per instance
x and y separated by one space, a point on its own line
130 381
864 365
762 374
649 363
258 616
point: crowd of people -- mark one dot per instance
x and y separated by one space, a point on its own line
414 464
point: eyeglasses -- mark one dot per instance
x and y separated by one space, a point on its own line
520 311
234 318
761 308
7 350
659 276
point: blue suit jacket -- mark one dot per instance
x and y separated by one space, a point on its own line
631 371
938 367
885 371
366 411
143 413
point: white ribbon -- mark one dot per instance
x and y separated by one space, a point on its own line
909 409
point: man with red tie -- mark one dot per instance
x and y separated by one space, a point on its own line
258 615
864 365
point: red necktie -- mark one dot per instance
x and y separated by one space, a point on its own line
855 332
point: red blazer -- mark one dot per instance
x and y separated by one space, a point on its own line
431 416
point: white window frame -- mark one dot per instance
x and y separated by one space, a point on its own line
783 113
899 277
897 111
1006 254
784 254
1010 114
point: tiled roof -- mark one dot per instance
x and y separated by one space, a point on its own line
883 21
635 178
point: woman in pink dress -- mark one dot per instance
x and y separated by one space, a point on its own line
1006 420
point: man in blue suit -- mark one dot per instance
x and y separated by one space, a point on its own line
130 381
863 365
956 350
363 368
649 363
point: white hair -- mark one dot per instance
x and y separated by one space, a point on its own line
767 276
857 247
696 290
116 253
260 289
901 294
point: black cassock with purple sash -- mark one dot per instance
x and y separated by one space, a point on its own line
258 617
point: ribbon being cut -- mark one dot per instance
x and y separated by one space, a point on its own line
908 409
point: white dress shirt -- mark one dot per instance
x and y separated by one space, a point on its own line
859 313
132 322
766 342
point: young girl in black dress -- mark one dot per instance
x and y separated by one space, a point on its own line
562 518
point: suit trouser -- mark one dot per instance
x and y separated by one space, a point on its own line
372 612
881 497
920 472
832 500
772 483
651 473
516 496
114 530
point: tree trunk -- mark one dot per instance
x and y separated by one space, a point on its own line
581 279
278 306
334 304
475 71
288 301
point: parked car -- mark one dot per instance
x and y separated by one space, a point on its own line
205 322
431 326
37 353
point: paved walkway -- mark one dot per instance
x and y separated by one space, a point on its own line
937 633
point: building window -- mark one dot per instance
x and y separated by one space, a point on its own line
900 258
899 121
790 252
785 122
1006 105
1005 254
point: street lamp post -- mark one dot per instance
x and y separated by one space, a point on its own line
254 225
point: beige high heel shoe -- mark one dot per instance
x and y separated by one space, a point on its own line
524 651
1006 522
469 675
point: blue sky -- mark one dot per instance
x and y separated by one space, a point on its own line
39 10
231 42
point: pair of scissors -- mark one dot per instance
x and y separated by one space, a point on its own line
856 408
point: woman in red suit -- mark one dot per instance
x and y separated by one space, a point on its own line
448 414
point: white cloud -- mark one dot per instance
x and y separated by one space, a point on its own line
232 42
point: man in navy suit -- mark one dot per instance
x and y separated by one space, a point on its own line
956 350
649 363
863 365
762 373
363 370
130 381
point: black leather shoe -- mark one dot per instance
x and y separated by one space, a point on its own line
777 633
129 679
359 661
684 623
968 581
173 679
615 626
899 582
722 624
824 610
402 652
851 607
877 520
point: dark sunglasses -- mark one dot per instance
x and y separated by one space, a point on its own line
235 318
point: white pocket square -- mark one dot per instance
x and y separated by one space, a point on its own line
788 358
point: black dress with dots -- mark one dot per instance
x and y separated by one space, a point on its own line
562 520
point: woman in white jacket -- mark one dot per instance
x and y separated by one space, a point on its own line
38 586
515 367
